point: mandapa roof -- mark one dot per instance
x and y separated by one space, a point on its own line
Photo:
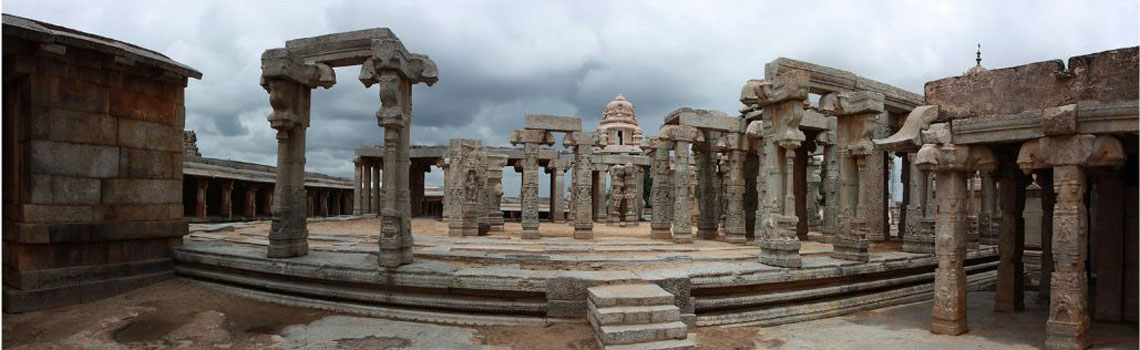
43 32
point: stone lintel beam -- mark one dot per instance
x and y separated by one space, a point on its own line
681 133
1088 117
579 138
909 137
709 120
824 80
734 142
553 123
525 136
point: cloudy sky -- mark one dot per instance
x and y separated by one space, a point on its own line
501 60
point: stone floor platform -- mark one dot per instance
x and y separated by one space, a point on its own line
504 280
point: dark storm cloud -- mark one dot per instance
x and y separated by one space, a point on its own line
501 60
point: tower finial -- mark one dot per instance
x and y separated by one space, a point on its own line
979 59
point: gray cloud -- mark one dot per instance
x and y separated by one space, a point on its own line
501 60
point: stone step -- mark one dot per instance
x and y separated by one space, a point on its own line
641 333
645 294
628 315
672 344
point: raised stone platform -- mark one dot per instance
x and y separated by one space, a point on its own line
503 280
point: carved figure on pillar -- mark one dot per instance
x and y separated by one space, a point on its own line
467 170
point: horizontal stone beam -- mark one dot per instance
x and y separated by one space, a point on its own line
825 80
713 120
553 123
1092 118
339 49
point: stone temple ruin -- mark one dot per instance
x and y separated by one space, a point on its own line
773 214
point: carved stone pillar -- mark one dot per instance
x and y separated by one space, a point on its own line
494 190
830 183
858 114
557 172
357 189
951 163
972 234
366 192
986 229
531 141
617 196
583 180
682 224
632 194
251 202
416 181
599 194
812 179
395 70
200 198
468 166
1048 200
920 234
734 222
706 162
288 233
377 197
444 165
662 196
1009 294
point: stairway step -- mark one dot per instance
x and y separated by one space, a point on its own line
645 294
641 333
629 315
688 343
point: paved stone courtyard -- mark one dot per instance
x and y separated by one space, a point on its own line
180 314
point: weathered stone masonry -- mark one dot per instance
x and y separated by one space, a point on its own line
92 165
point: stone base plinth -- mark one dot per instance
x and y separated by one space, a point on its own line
780 252
921 242
288 244
707 233
947 327
530 234
848 248
1066 336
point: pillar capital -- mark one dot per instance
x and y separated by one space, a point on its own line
790 86
1077 149
952 157
680 133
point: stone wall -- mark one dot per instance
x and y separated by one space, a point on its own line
1103 76
93 154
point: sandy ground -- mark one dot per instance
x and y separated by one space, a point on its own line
178 314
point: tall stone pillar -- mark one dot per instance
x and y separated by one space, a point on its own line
324 197
859 168
814 219
682 219
377 193
920 234
986 229
1009 294
830 182
468 175
366 192
200 205
599 196
289 81
632 194
780 101
557 169
416 176
1108 260
706 170
531 140
951 163
494 190
617 196
395 70
583 181
444 165
734 220
662 189
1068 324
251 202
1048 199
357 189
